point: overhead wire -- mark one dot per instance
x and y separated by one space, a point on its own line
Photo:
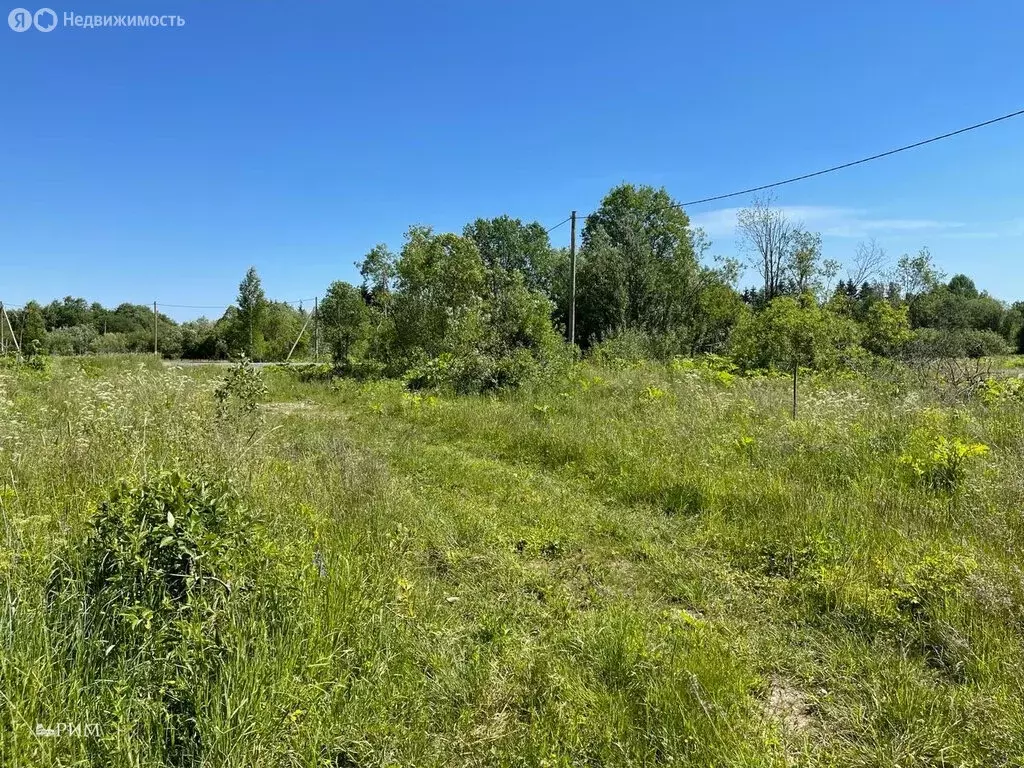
831 169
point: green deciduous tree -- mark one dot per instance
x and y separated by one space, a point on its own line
640 270
602 298
345 324
281 326
70 340
916 274
252 305
67 313
452 320
440 278
793 331
378 271
507 245
32 326
886 328
657 250
200 340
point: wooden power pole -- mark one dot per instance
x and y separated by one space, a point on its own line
572 290
316 329
155 332
14 337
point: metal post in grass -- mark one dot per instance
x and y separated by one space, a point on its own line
795 369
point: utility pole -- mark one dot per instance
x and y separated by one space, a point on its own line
316 329
155 339
14 338
572 292
298 338
3 339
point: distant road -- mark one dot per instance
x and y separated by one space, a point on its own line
195 363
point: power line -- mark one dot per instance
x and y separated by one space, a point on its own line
225 306
185 306
835 168
193 306
559 224
713 198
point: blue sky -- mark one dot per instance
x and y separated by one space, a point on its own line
142 164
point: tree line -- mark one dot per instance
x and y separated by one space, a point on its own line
255 326
489 307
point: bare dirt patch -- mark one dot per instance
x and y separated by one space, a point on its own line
789 707
289 408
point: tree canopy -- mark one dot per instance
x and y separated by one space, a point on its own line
489 307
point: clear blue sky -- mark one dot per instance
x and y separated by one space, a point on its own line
142 164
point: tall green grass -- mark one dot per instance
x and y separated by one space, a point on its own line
650 566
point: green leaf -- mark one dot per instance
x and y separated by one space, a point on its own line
170 519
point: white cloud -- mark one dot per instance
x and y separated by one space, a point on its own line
830 221
1007 229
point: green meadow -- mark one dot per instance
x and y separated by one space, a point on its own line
620 565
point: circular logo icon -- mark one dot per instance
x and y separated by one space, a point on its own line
20 19
45 20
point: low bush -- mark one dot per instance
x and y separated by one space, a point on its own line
306 371
165 567
241 390
935 343
623 349
943 465
473 371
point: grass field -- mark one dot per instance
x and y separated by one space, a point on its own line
649 566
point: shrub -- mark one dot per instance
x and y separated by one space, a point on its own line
158 572
623 349
994 391
907 600
241 390
306 371
716 368
471 371
70 341
921 587
36 360
160 548
935 343
944 466
886 328
984 343
109 344
792 331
